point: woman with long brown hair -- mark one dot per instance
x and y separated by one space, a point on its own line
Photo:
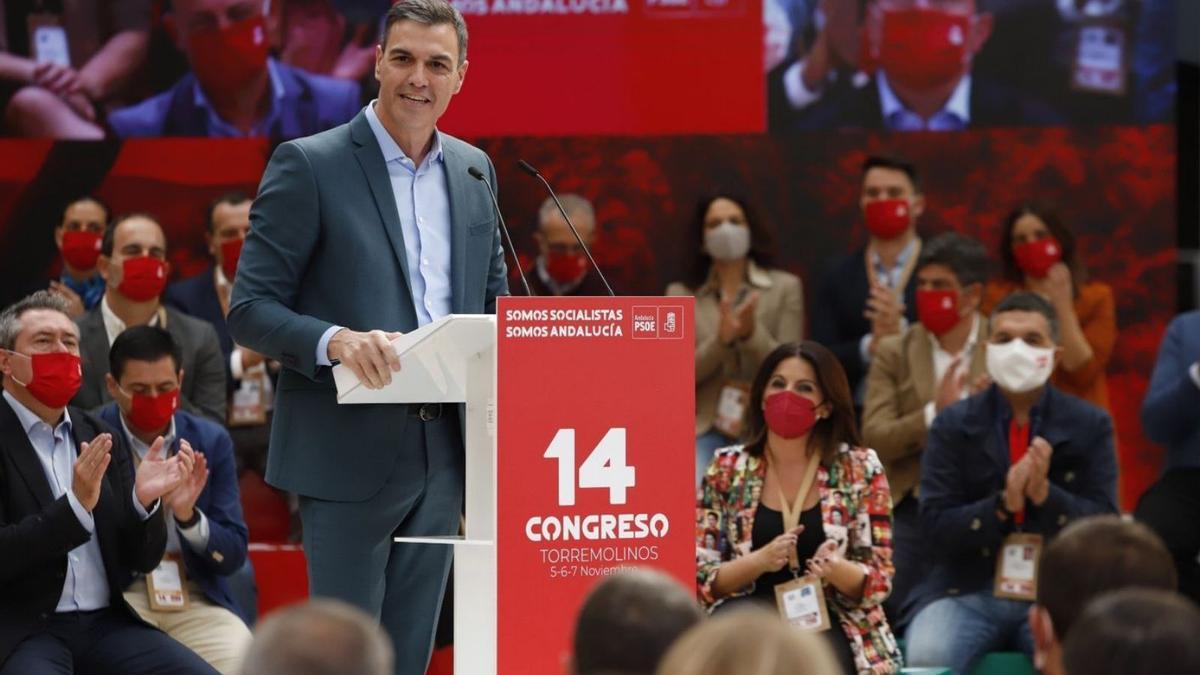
1039 254
802 498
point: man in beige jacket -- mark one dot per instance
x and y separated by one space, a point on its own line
913 376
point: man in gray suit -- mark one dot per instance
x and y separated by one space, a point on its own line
133 262
360 233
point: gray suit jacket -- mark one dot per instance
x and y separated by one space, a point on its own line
326 248
203 391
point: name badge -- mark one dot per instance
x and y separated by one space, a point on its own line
801 603
1100 64
48 39
166 587
1017 567
248 406
731 408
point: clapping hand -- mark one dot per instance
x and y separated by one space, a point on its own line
774 556
823 562
156 475
89 470
182 500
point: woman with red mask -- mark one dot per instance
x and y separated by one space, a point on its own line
1038 254
814 509
744 309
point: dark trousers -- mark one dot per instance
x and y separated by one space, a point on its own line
912 563
1171 507
102 642
351 555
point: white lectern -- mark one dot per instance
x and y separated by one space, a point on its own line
453 360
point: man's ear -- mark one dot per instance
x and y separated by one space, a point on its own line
58 237
1044 640
102 265
917 207
981 30
111 384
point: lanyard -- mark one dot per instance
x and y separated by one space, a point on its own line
791 514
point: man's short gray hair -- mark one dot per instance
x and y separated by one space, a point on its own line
575 205
319 637
429 13
10 318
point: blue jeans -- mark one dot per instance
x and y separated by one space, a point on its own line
707 443
956 632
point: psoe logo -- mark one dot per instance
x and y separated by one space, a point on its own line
645 323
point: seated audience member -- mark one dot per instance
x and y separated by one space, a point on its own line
802 496
1171 507
871 293
748 642
562 268
1136 631
628 622
78 239
206 296
922 56
133 262
744 309
205 528
914 376
78 518
1091 557
235 88
1039 255
62 64
1002 472
319 637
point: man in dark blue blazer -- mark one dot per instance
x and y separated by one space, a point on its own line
923 78
235 88
1020 457
871 293
206 297
1171 417
205 527
357 234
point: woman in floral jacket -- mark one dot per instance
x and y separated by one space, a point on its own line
800 412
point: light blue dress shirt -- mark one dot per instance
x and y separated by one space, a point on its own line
197 534
86 586
423 204
954 116
219 128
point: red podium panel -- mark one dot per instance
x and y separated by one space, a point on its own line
595 437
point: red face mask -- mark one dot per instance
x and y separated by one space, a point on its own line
1035 258
81 248
143 278
565 268
231 250
56 378
923 48
152 413
789 414
226 60
937 310
887 218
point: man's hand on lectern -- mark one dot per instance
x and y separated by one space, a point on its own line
368 355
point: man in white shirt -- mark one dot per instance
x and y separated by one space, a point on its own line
133 262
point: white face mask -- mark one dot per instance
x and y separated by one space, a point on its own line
1018 367
727 241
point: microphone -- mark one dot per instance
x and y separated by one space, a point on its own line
528 168
478 175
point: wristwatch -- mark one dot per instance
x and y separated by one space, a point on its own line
191 522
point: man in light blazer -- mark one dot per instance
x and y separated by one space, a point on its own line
360 233
916 374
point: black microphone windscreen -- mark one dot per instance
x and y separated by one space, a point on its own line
527 167
475 172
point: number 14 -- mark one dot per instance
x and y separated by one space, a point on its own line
605 467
